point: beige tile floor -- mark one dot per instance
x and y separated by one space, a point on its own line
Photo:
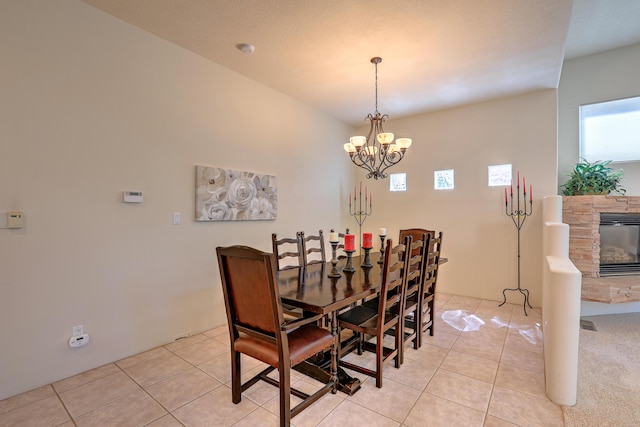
483 367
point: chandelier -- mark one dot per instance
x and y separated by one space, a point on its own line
376 154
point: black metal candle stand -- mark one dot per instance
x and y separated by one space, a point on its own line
381 259
349 266
359 213
366 263
334 273
518 216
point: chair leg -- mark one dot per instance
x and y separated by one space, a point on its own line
379 359
431 316
285 394
417 321
399 359
236 377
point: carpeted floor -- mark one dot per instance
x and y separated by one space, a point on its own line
608 373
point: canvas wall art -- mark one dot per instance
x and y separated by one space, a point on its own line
229 195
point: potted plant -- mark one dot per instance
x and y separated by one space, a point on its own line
593 178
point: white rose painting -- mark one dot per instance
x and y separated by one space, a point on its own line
228 195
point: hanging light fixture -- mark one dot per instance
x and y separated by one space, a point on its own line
377 151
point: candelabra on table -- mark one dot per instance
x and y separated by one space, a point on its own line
518 216
334 273
382 237
358 213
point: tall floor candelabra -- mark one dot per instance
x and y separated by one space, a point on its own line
360 213
518 216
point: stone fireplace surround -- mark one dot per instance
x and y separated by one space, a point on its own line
582 214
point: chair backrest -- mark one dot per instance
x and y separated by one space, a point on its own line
312 249
287 251
433 260
417 253
394 275
251 293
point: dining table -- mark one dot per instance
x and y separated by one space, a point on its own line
311 289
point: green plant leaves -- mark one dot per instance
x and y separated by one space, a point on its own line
593 178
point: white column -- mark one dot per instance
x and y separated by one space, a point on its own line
561 296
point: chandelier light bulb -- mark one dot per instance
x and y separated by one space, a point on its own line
371 151
349 148
403 143
385 138
358 141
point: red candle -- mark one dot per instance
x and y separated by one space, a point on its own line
349 242
518 186
511 188
530 193
524 184
506 199
367 240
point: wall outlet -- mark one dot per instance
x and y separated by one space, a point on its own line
77 330
79 341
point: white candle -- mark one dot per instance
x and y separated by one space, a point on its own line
382 231
334 237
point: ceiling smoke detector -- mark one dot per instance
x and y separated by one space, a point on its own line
246 48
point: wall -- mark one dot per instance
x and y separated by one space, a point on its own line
595 78
479 239
92 107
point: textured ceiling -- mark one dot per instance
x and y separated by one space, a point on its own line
436 53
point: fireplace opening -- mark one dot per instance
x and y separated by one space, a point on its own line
619 244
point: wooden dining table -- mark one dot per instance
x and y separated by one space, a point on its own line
312 290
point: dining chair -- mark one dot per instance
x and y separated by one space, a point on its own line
257 328
312 248
288 251
366 321
429 290
413 287
410 304
288 254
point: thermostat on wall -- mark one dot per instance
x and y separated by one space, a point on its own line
133 196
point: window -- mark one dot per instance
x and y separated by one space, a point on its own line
398 182
610 130
499 175
443 180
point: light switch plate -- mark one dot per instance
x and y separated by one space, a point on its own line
14 219
133 197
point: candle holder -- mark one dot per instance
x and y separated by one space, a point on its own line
334 273
360 213
518 216
367 260
381 259
349 266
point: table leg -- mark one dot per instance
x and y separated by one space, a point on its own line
334 350
327 368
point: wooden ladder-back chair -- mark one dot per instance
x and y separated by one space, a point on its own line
414 286
429 290
257 328
288 251
366 321
288 254
312 248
